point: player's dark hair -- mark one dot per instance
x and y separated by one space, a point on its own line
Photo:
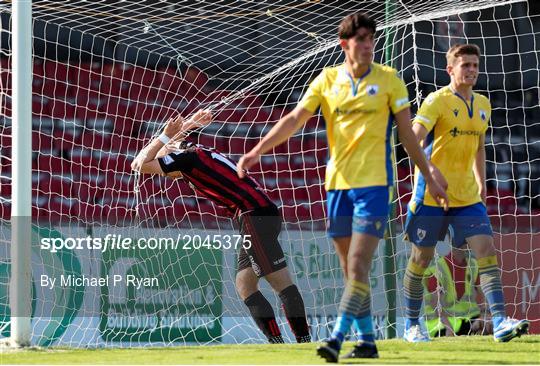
353 22
458 50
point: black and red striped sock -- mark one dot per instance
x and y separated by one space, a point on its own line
264 316
293 305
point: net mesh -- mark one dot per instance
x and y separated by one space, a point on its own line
107 75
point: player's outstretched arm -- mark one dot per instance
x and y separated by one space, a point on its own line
479 167
145 161
284 129
434 179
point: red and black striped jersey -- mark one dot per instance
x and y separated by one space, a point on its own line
214 176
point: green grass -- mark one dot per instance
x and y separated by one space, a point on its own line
459 350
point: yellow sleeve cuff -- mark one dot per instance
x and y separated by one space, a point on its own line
426 124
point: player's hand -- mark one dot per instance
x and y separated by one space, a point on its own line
438 194
437 186
201 118
137 163
173 126
246 162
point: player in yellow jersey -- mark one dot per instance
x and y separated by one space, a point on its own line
359 100
452 123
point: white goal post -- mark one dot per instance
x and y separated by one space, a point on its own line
21 280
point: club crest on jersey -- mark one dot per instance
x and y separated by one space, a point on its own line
483 114
421 233
167 160
372 90
456 111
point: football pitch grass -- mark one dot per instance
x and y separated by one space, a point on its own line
458 350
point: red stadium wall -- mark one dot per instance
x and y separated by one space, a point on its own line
520 260
90 91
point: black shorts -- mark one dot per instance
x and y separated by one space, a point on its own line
265 255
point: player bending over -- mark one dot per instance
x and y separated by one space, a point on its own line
214 176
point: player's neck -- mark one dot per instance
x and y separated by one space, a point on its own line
466 91
356 70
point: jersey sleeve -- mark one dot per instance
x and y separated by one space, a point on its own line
177 161
313 96
399 96
428 114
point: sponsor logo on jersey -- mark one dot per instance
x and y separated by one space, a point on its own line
340 111
457 132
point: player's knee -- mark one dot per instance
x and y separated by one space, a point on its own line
488 251
422 260
245 291
482 246
279 280
422 256
358 268
246 285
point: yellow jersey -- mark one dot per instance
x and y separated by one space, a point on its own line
454 129
358 115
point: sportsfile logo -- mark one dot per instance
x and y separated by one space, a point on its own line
120 242
457 132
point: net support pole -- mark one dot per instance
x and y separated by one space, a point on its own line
21 212
389 267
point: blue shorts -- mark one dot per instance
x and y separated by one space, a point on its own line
364 210
427 225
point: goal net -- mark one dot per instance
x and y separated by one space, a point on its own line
126 260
